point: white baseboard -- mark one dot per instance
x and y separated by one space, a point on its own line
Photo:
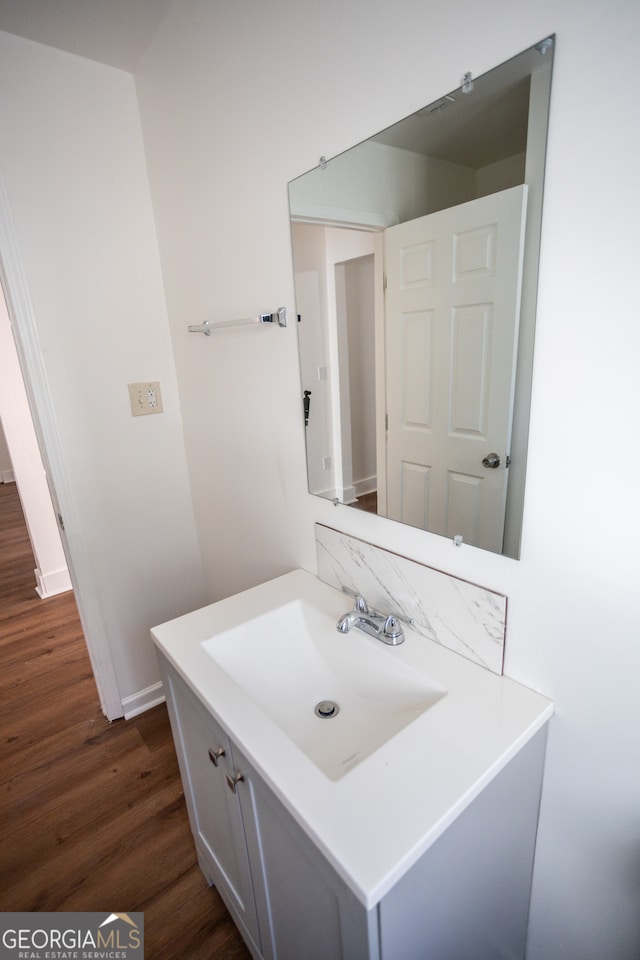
50 584
348 495
7 476
143 700
367 485
328 494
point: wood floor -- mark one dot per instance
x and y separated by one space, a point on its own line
367 502
92 814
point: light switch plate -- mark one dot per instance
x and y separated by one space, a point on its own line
145 398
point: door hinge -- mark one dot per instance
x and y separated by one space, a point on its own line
386 422
60 521
384 283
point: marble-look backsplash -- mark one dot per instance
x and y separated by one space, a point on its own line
466 618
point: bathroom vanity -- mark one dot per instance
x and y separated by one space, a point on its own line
399 828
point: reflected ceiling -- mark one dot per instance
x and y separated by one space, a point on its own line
470 130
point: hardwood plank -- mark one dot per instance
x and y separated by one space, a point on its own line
28 746
53 800
92 814
204 918
113 860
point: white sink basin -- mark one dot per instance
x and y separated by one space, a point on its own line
262 659
292 658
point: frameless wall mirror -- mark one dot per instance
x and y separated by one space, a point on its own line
416 260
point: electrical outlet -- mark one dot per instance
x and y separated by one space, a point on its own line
326 463
322 373
145 398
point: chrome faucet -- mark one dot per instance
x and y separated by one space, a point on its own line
383 626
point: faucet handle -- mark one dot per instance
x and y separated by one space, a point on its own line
392 628
360 604
410 621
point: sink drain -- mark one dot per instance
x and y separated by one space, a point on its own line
326 709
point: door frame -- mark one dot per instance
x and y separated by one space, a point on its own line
25 332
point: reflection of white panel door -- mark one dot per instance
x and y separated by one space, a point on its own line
451 329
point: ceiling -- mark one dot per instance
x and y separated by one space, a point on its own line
115 32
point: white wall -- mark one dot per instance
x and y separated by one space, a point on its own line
51 572
6 469
73 166
501 175
376 185
236 99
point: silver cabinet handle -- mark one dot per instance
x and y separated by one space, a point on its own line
215 754
232 782
492 460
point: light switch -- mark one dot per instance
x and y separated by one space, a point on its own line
145 398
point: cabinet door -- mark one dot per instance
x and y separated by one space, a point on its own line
304 908
214 811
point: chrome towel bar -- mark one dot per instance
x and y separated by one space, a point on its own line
279 317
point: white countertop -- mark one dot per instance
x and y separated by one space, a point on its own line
375 822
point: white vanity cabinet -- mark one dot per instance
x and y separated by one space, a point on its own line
465 897
286 900
206 760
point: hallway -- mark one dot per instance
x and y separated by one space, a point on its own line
92 815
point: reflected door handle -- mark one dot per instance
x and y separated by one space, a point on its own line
492 460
